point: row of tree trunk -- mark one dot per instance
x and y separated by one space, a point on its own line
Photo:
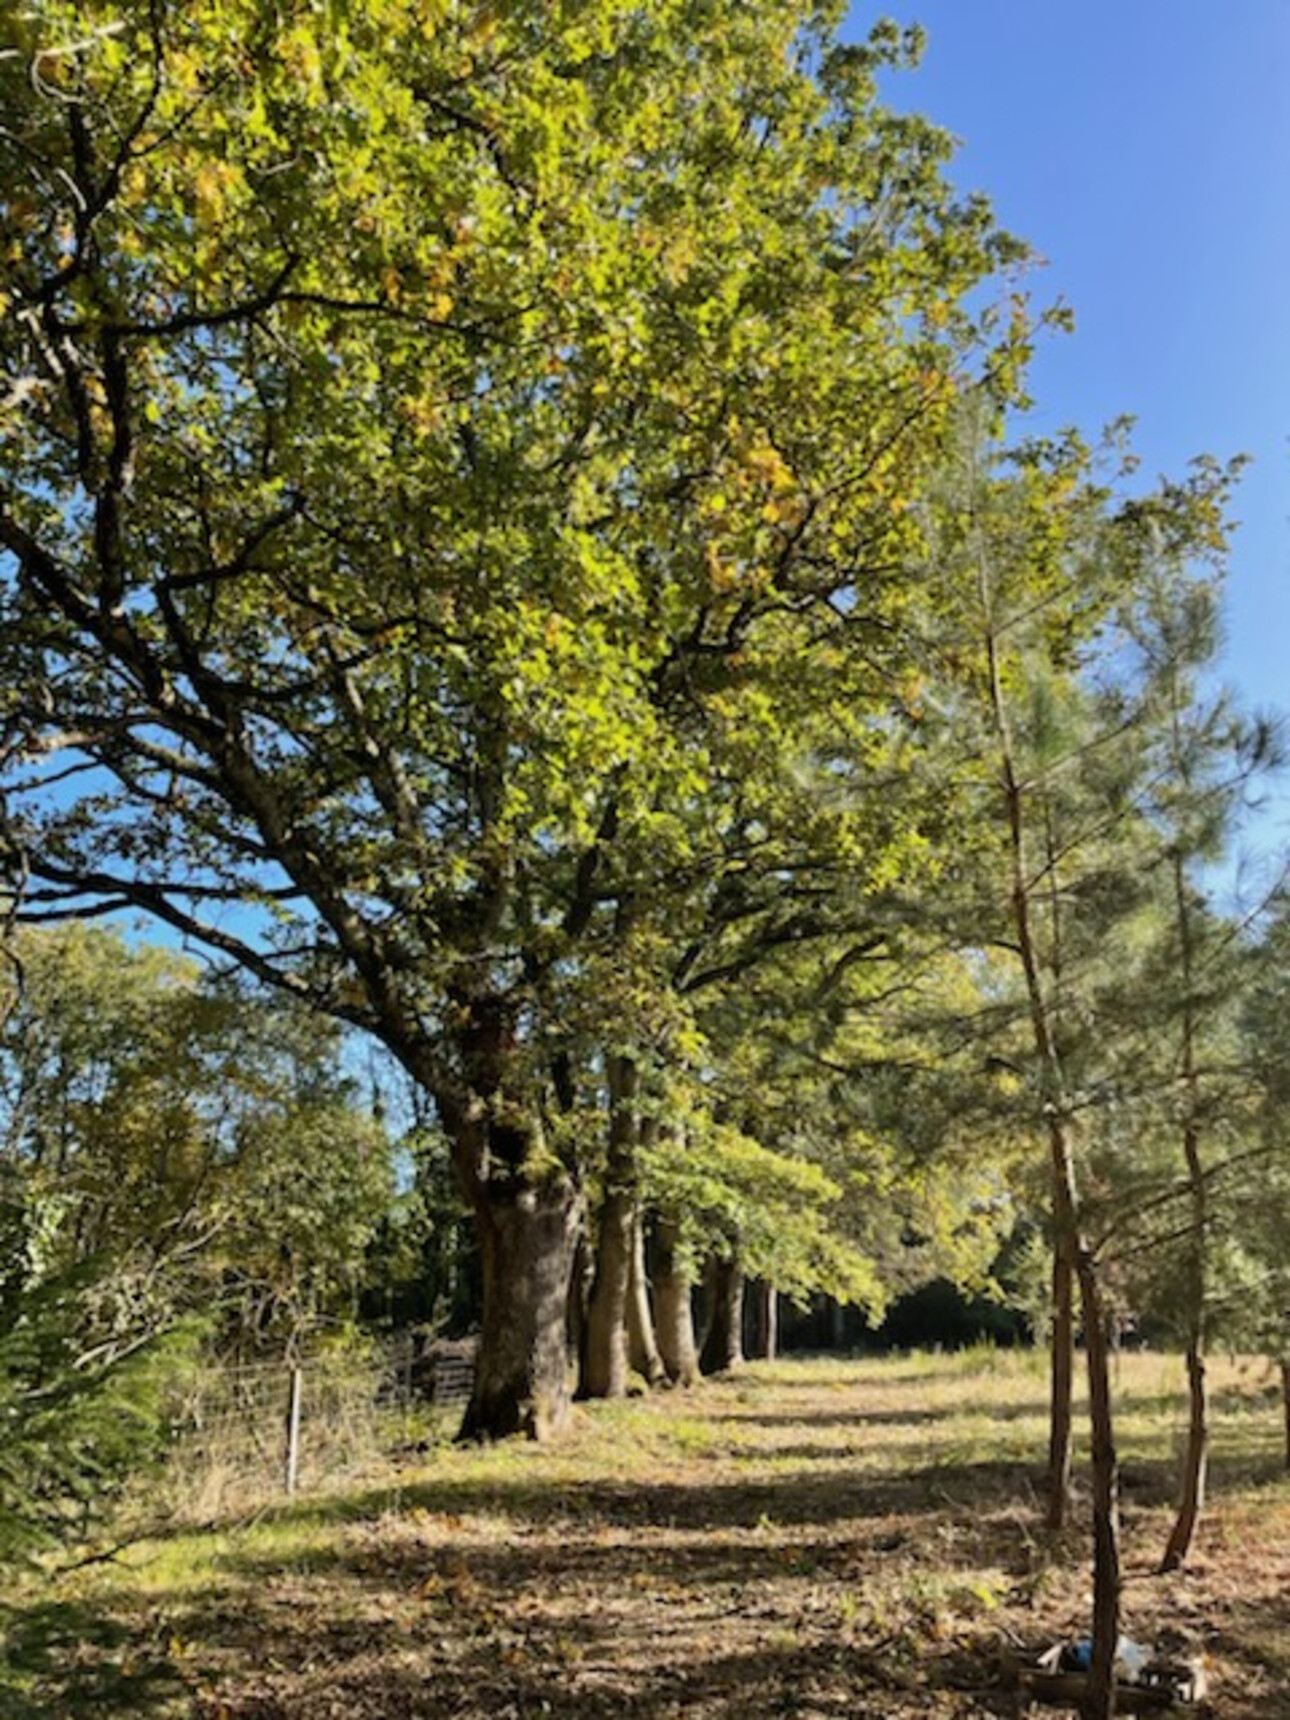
626 1320
639 1319
617 1309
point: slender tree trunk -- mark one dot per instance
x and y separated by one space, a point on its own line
1106 1495
1065 1243
1061 1383
673 1307
604 1359
1285 1403
580 1277
1100 1703
642 1349
704 1301
765 1321
723 1348
1191 1499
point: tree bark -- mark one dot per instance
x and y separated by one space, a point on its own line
837 1324
1061 1382
1191 1497
527 1235
528 1214
1106 1494
765 1321
1191 1500
604 1359
1285 1403
673 1307
580 1277
642 1348
723 1348
604 1347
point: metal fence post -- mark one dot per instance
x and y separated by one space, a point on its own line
294 1390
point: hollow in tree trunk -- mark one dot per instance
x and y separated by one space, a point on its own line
723 1347
673 1307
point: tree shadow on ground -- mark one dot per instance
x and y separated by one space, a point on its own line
96 1662
1233 1405
510 1634
511 1599
1153 1482
752 1416
1254 1639
759 1592
794 1497
824 1493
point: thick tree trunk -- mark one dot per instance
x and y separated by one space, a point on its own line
1061 1383
673 1308
723 1347
837 1325
528 1215
527 1235
642 1348
604 1356
765 1321
604 1348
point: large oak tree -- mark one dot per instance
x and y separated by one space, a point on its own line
430 433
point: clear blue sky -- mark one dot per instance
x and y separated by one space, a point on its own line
1143 150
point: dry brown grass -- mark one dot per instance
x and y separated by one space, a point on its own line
816 1539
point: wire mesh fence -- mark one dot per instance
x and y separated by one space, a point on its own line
246 1435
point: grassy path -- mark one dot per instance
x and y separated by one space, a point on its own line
814 1539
